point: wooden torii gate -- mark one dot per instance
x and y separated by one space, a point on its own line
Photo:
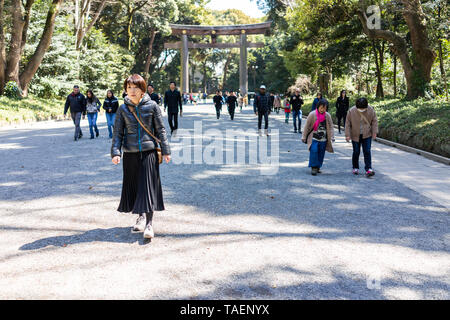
242 30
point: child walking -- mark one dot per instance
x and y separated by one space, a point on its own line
361 127
287 109
319 135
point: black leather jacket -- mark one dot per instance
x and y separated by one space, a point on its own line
129 136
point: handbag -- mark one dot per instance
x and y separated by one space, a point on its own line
158 150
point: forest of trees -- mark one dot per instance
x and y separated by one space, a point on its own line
46 46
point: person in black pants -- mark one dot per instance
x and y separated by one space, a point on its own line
231 101
261 107
172 101
218 100
296 102
342 105
77 104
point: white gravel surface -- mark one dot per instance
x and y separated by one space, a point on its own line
227 232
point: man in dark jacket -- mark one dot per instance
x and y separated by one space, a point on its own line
261 107
218 100
296 102
172 101
77 104
232 102
154 96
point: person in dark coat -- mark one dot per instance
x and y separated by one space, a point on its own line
76 102
296 102
271 101
316 101
232 102
218 101
153 95
261 107
342 105
110 105
141 188
173 103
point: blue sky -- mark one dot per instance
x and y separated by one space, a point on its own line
247 6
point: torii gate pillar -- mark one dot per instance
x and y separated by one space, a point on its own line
184 64
243 75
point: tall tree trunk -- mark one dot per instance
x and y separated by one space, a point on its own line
225 71
46 38
379 93
13 58
442 68
129 23
83 31
2 49
27 16
441 61
367 75
417 68
150 54
395 75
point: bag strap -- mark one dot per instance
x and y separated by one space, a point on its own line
364 117
133 111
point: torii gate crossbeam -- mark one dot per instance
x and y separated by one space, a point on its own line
242 29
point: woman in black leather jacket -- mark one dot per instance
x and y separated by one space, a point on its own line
141 188
342 105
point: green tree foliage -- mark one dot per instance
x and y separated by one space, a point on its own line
99 64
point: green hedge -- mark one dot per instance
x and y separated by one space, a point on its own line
29 109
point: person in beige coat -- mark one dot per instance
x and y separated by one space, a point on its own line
319 135
361 127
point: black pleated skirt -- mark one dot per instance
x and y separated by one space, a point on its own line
141 188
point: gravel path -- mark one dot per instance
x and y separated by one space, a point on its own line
228 232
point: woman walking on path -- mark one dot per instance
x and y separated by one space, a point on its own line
361 127
319 135
111 104
277 103
342 105
241 102
141 188
316 101
92 108
287 109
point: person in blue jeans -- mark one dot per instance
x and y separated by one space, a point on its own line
92 108
110 105
361 127
319 135
296 103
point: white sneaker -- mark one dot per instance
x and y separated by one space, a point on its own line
260 132
149 233
140 224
